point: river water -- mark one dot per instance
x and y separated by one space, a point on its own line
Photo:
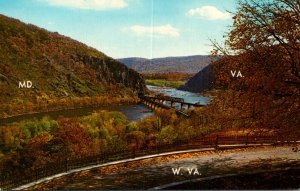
133 112
188 97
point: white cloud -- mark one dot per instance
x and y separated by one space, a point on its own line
164 30
209 12
89 4
50 23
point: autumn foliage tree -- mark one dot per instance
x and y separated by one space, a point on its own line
37 152
264 44
72 140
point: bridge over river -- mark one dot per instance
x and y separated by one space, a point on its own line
168 102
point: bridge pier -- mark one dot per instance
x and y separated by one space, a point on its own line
152 106
172 104
160 102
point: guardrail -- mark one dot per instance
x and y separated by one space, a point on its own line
10 180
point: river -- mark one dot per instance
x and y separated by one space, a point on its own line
133 112
188 97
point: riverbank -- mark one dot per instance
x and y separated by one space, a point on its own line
132 112
165 83
158 171
13 110
17 110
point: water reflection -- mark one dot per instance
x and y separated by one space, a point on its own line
133 113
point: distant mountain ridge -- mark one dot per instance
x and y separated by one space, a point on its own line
184 64
200 82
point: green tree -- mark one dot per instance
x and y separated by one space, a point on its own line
167 135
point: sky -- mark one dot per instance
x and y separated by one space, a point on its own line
131 28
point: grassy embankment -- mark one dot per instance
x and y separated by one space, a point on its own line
170 79
165 83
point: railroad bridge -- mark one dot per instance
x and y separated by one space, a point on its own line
168 102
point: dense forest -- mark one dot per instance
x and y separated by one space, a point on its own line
29 145
64 73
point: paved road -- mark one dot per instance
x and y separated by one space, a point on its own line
158 171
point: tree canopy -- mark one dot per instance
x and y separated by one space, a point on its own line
264 44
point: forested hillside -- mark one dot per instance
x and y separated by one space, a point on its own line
62 71
200 82
185 64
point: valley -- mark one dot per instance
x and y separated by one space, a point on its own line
74 117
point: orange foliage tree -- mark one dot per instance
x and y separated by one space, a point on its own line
72 139
36 153
264 45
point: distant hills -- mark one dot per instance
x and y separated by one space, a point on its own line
200 82
58 67
185 64
200 65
